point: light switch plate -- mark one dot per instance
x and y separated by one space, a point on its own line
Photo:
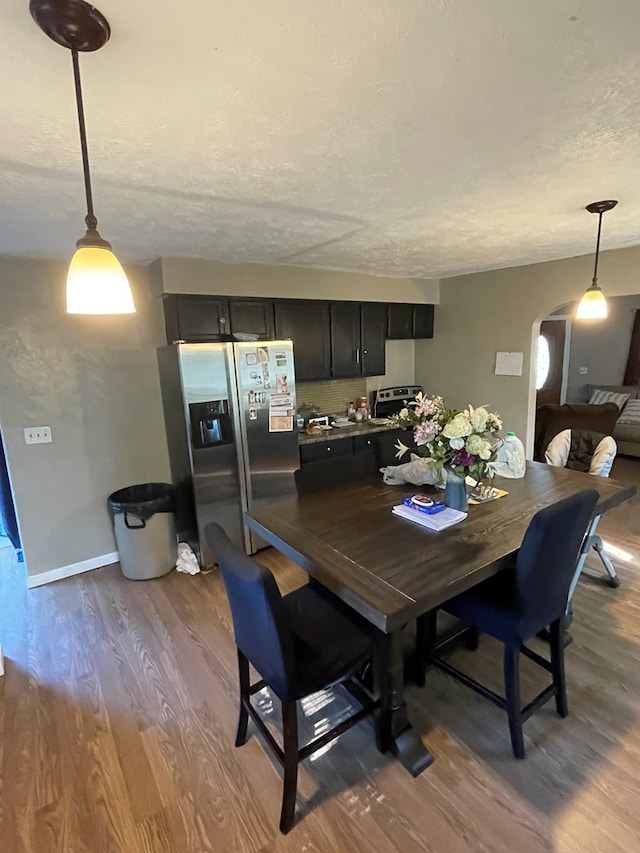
37 435
583 371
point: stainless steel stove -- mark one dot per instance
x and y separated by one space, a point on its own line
389 401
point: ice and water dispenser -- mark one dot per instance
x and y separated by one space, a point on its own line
210 425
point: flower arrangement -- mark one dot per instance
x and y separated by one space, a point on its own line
464 442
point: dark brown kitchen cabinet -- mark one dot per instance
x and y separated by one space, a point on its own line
423 321
306 322
345 340
373 333
252 316
195 318
406 322
400 321
358 334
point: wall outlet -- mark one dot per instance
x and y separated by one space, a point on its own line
38 435
584 371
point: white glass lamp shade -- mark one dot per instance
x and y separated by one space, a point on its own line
593 305
97 284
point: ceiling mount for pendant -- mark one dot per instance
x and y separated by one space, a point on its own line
73 24
601 206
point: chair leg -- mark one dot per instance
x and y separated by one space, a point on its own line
512 694
598 547
557 666
243 719
290 737
426 629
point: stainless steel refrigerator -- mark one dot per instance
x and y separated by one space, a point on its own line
231 431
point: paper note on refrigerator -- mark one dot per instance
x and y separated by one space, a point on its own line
281 412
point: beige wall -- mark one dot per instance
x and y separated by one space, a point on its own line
500 310
179 275
94 381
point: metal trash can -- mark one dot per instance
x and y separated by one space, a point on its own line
144 524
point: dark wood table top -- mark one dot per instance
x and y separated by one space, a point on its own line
390 570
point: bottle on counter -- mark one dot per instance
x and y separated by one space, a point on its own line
351 411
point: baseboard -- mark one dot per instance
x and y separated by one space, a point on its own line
72 569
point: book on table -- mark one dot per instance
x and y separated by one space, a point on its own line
440 521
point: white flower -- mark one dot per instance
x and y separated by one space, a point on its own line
478 418
486 451
404 413
458 427
474 444
457 443
401 448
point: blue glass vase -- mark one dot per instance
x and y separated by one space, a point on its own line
455 491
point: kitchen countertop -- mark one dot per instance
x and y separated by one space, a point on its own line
344 432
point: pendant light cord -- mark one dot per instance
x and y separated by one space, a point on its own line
594 283
90 218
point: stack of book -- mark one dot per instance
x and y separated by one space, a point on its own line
438 521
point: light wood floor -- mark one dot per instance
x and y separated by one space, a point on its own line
118 709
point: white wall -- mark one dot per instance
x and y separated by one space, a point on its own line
500 310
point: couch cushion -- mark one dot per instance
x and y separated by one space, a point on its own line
600 396
632 390
630 413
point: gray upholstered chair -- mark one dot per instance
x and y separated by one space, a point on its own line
593 453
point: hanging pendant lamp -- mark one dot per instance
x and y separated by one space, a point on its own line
96 281
593 305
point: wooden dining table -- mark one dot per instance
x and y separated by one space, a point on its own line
391 570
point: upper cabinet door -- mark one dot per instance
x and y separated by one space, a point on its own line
252 316
196 318
345 340
306 322
423 321
373 333
400 321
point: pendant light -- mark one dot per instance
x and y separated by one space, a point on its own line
593 305
96 281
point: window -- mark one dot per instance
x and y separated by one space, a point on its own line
543 363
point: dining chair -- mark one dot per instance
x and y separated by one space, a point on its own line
518 602
593 453
299 644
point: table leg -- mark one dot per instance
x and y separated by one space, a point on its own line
395 732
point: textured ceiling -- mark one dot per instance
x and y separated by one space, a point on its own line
399 137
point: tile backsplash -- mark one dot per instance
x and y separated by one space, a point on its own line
330 397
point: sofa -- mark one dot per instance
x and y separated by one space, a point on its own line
627 427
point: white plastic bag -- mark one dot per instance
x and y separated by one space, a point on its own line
187 561
416 472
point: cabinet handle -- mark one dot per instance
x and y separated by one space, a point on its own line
328 450
364 352
222 321
358 355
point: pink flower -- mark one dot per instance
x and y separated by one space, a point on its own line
426 432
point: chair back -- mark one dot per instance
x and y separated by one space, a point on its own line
259 618
582 450
547 559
